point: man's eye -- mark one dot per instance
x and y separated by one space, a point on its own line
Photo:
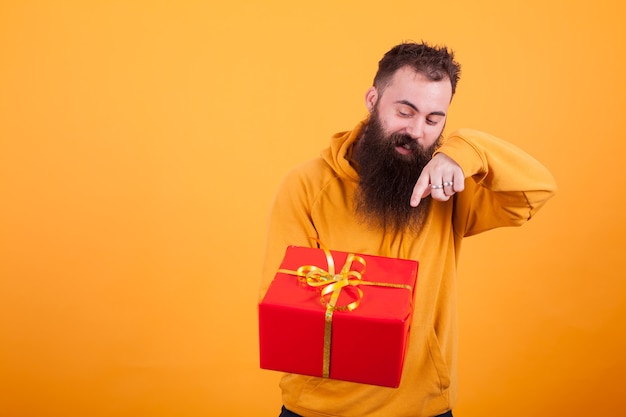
403 113
431 122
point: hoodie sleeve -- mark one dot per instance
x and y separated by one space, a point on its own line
289 223
504 186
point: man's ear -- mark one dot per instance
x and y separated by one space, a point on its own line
371 96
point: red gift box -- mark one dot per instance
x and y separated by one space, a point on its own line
364 339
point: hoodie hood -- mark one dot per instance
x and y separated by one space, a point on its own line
337 155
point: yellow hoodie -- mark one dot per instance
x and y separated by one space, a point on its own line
503 187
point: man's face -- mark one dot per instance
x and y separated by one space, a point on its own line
393 150
412 105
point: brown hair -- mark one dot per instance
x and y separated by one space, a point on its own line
434 62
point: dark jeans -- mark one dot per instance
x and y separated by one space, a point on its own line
286 413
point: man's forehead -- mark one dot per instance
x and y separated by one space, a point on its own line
413 88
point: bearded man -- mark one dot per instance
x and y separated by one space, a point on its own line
394 187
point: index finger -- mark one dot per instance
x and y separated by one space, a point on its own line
421 189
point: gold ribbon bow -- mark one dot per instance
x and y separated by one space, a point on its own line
331 283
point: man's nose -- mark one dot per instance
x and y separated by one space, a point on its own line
415 128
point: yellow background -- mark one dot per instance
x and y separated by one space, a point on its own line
141 143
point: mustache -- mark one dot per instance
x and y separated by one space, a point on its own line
405 141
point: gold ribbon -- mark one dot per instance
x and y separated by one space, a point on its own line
331 283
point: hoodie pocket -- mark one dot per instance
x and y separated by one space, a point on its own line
438 362
425 386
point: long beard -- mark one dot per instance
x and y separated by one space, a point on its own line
387 178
